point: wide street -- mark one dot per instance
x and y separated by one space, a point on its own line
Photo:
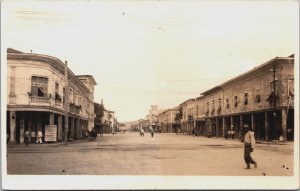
164 154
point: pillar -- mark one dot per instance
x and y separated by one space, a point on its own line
29 122
59 128
72 128
78 129
241 122
223 126
267 126
217 127
253 122
22 128
231 121
51 118
12 118
283 121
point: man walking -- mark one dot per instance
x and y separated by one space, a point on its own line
152 131
249 142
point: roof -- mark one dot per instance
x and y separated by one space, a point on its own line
54 62
88 76
10 50
246 74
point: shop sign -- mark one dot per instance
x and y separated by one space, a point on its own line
50 133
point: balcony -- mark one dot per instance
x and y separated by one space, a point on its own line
39 99
74 109
59 104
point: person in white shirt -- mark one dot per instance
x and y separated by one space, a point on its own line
32 135
249 142
39 137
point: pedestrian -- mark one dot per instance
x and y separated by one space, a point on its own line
152 132
142 132
26 136
39 137
32 136
232 132
249 142
194 132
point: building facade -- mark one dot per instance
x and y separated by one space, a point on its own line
262 97
166 120
42 91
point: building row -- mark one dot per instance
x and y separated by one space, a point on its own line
262 97
44 94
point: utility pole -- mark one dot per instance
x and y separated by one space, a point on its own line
66 97
274 97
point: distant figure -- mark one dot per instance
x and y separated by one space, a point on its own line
232 132
39 137
194 132
152 132
249 142
32 135
142 132
27 136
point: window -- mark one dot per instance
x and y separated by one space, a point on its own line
219 106
213 106
207 107
227 103
39 86
257 95
235 101
71 100
57 96
246 98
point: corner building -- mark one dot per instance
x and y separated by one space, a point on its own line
42 90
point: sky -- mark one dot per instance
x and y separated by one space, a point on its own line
144 53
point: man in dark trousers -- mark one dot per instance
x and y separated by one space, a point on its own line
249 142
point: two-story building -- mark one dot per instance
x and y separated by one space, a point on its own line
166 120
262 97
42 91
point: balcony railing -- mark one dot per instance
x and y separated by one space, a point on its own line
38 99
74 109
59 104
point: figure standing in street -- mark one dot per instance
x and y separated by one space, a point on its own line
27 137
39 137
32 135
152 131
142 132
249 142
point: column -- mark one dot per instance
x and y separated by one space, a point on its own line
224 126
231 121
78 129
241 122
267 126
72 128
253 122
283 121
22 128
51 118
29 122
12 118
59 128
217 127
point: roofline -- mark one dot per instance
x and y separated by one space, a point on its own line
219 87
90 76
55 62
